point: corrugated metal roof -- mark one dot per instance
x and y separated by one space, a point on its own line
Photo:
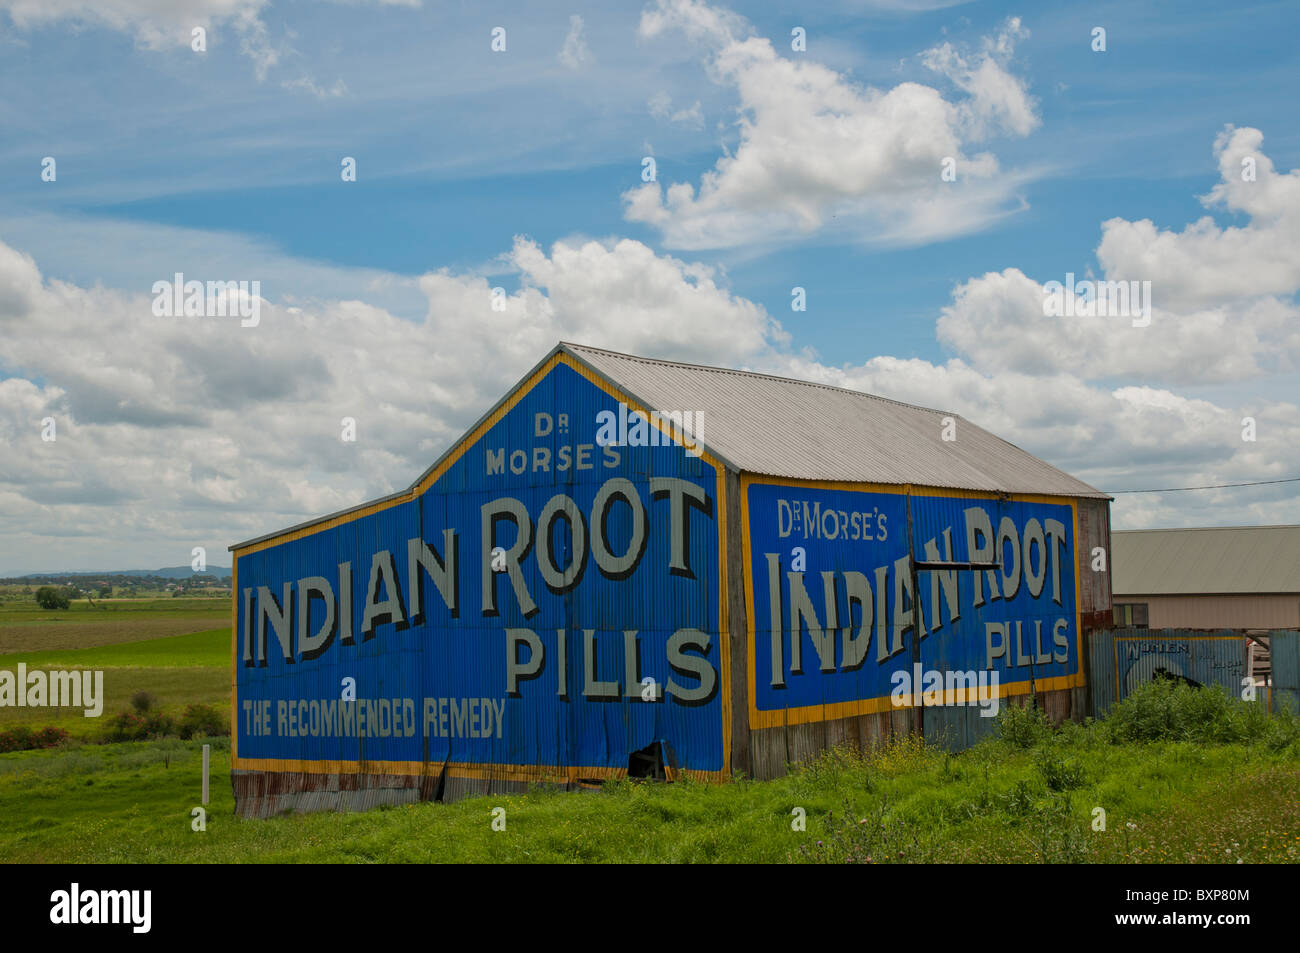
778 426
1215 559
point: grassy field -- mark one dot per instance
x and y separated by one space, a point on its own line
1164 802
178 670
25 627
1230 794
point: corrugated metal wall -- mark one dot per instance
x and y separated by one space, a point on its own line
1284 657
1122 659
772 749
563 731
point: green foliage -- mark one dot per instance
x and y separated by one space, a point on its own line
1058 773
23 738
139 726
1057 835
1164 710
144 701
880 837
202 721
1022 727
47 597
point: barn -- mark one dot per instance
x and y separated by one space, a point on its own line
635 566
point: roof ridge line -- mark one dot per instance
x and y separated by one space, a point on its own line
772 377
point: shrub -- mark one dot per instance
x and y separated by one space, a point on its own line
138 726
18 738
202 721
22 738
49 737
1023 727
143 701
1164 710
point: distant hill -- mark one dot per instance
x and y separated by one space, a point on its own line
171 572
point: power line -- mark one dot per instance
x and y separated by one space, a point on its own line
1215 486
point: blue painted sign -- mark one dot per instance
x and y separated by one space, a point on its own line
834 618
548 600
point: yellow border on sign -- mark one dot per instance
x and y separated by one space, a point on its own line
870 706
508 772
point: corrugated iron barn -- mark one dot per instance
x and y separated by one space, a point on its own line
638 566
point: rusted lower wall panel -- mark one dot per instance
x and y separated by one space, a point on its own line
260 794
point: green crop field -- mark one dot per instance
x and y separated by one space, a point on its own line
1181 775
25 627
177 670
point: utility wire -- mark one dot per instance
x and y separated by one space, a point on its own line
1215 486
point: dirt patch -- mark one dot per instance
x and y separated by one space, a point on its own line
42 636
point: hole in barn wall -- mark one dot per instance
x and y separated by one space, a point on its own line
1164 674
649 762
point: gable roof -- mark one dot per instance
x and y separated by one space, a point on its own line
1214 559
778 426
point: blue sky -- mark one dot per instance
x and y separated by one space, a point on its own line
225 163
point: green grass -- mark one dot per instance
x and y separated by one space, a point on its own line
1181 776
178 671
26 610
208 648
25 627
993 803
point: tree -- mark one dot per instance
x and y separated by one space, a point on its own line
47 597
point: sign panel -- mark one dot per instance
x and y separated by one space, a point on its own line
545 605
1179 655
833 616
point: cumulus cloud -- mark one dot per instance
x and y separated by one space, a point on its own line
174 432
1223 298
200 428
815 145
1205 265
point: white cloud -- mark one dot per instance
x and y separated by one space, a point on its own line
168 24
339 88
1224 307
661 107
183 432
575 53
1205 265
815 145
196 431
155 24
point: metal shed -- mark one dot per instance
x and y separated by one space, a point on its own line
631 561
1209 577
